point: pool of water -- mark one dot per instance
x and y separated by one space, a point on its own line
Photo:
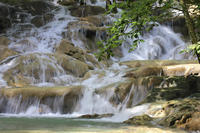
69 125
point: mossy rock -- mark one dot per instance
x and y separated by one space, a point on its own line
174 88
181 114
140 120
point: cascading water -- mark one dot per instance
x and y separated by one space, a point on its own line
160 43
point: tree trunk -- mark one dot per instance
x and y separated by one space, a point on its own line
190 25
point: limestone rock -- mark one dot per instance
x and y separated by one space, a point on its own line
69 97
67 48
182 70
72 66
145 71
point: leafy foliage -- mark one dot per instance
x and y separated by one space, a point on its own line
192 48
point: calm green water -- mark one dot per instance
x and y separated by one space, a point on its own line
66 125
9 124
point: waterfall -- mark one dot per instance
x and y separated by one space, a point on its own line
36 48
160 43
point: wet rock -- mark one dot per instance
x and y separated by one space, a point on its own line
6 52
49 97
126 93
66 47
86 10
178 25
145 71
20 12
24 46
173 88
4 41
41 20
97 20
162 68
37 7
158 63
72 65
121 91
37 68
96 116
4 24
67 2
29 69
139 120
4 21
85 33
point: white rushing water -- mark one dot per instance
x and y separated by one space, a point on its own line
160 43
